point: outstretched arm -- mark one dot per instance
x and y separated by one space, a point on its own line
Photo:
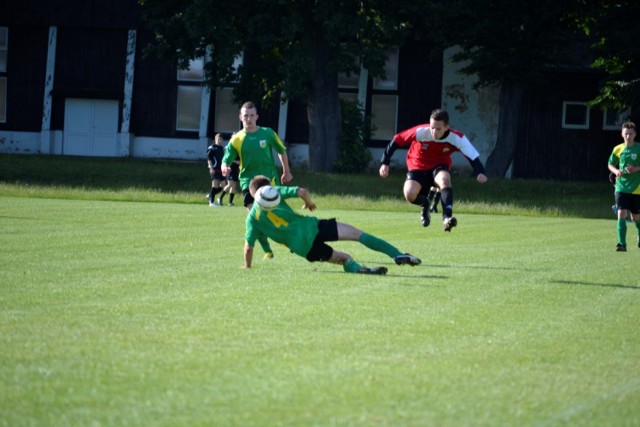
308 202
478 169
386 158
248 255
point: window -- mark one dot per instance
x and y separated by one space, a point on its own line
227 112
613 119
390 81
384 99
4 50
384 109
575 115
190 90
380 95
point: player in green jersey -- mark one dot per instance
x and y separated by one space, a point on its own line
253 147
624 163
306 235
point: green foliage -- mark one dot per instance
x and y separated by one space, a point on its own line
507 41
277 39
356 130
617 51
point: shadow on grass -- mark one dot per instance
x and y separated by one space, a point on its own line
480 267
602 285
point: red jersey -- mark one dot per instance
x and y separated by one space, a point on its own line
426 153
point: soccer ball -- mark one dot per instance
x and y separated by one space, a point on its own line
267 197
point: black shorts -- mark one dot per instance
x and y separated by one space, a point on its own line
247 198
216 175
425 177
629 202
327 232
235 171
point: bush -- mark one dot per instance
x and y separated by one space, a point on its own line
356 129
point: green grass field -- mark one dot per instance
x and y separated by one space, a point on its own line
122 312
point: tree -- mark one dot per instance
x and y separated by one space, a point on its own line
509 44
291 47
611 26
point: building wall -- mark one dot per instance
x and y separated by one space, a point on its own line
472 112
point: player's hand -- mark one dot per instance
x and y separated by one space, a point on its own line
482 178
311 206
286 177
384 171
226 169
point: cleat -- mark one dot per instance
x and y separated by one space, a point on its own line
372 270
208 197
213 205
425 216
219 201
449 223
621 248
407 259
230 204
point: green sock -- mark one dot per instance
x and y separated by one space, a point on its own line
351 266
379 245
622 231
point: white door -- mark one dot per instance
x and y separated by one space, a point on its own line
90 127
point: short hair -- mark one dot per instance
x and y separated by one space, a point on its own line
249 105
629 125
440 115
257 182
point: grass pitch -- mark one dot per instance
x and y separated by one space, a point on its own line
126 313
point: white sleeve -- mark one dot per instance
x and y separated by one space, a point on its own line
463 144
423 134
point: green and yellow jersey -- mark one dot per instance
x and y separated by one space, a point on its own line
621 157
254 151
282 225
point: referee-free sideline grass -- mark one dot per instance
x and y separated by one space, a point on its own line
133 314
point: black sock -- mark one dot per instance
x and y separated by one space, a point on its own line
213 193
421 200
446 195
231 195
222 196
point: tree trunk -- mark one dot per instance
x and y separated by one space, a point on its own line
323 112
503 153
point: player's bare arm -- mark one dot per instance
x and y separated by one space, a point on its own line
248 255
286 170
306 197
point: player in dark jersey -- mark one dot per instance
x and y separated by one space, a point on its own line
430 147
215 152
233 185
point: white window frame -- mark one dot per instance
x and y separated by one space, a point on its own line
587 116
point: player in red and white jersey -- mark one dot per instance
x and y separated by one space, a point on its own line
429 162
